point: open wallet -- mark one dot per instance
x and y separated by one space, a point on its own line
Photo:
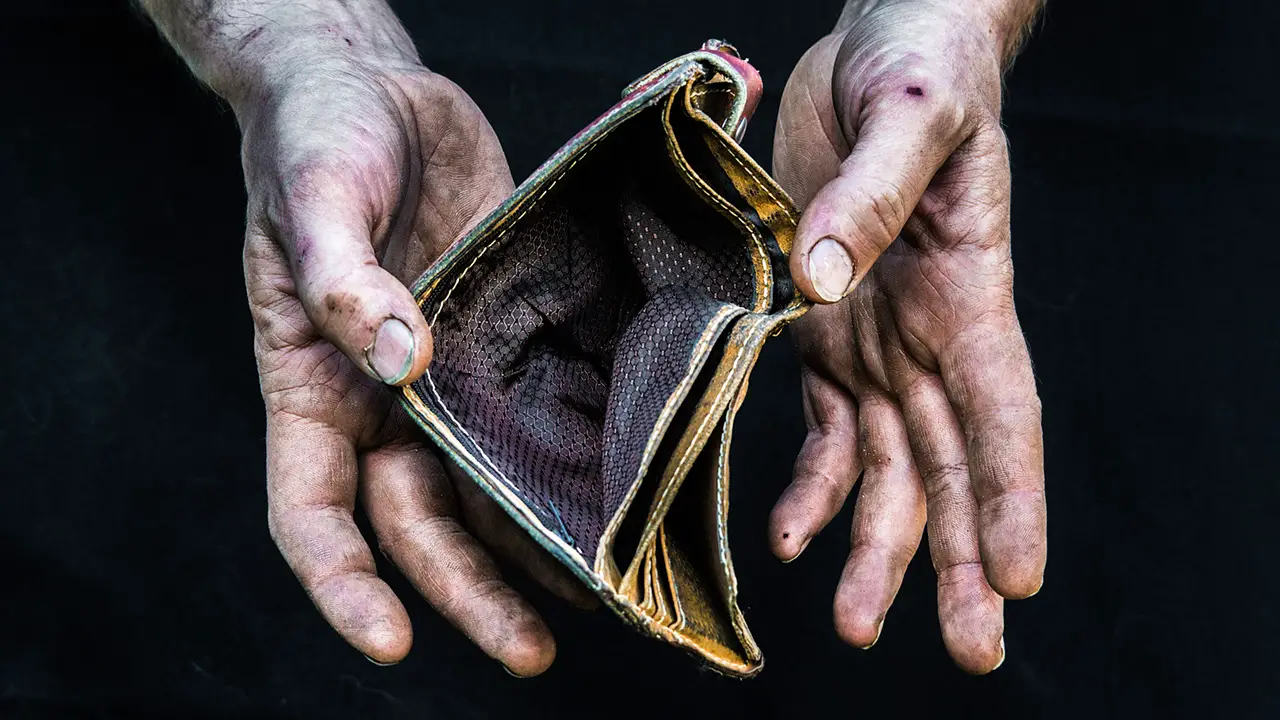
593 339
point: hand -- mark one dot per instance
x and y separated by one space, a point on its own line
918 380
360 171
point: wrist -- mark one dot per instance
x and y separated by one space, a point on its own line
1004 24
246 48
279 58
1008 22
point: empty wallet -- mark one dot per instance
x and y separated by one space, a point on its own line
593 339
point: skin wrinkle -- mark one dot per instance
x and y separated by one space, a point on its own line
249 59
299 177
918 85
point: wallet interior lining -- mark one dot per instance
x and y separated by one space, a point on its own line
574 327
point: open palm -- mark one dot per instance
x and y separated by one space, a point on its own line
358 176
918 380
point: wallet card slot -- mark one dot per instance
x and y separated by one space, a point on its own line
682 136
644 474
696 572
529 326
668 609
736 179
573 331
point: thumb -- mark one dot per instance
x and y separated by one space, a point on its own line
906 133
352 301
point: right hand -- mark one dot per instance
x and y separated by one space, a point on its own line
361 171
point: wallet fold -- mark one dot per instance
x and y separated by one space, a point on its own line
593 340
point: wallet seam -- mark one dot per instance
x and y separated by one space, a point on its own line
785 204
505 233
425 284
697 361
691 453
763 292
680 74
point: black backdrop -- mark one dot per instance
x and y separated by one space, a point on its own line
138 579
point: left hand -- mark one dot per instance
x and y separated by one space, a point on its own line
915 371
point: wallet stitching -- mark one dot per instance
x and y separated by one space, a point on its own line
736 619
763 270
697 357
532 204
783 206
458 280
576 563
628 108
480 449
689 455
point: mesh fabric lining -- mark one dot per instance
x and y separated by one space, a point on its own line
558 349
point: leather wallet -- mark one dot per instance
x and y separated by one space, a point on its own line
593 338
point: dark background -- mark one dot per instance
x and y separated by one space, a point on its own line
138 578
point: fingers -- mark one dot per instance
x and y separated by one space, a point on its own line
827 466
905 132
353 302
887 524
311 489
970 612
825 470
988 374
412 509
504 536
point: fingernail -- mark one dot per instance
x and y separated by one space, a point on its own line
1002 655
514 674
799 552
830 269
876 639
379 664
1038 586
391 354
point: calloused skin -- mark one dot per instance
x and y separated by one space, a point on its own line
333 237
919 380
362 166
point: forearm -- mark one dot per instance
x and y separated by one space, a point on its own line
232 45
1008 21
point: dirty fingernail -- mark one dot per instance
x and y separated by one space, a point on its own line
1038 586
799 552
830 269
391 355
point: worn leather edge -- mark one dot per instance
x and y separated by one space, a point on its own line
603 563
763 331
658 87
756 244
646 92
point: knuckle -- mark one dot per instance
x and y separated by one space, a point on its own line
337 302
897 555
929 93
944 480
419 532
312 175
874 210
303 385
886 213
466 596
823 483
960 574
